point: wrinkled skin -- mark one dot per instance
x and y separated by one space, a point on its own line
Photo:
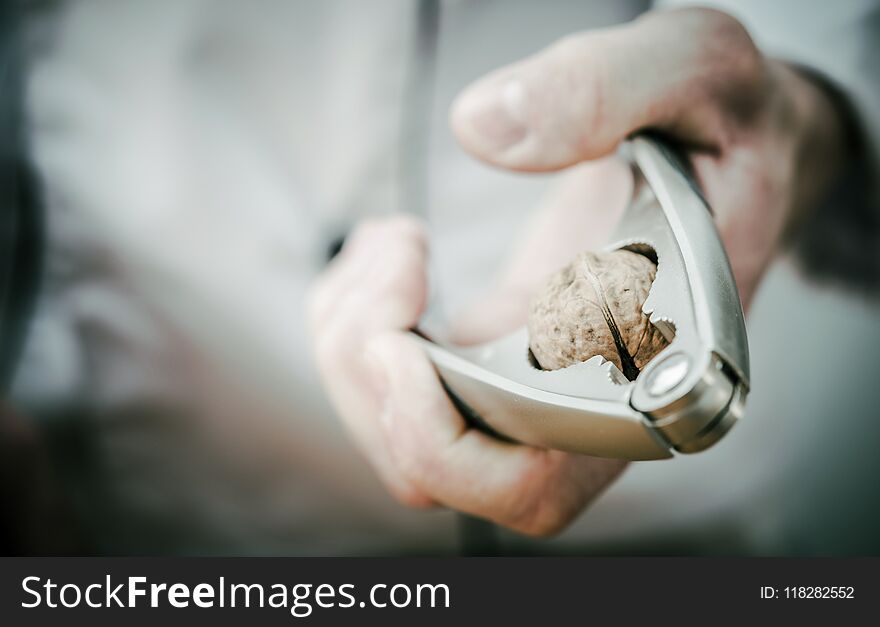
567 318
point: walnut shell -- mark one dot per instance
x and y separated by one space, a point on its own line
593 306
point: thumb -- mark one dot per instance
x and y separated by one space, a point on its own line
577 99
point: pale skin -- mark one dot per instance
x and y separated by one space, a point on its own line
762 139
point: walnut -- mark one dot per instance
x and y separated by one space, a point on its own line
592 307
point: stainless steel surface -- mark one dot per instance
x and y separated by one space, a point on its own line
685 399
695 292
581 411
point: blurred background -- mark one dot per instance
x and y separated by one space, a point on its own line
196 163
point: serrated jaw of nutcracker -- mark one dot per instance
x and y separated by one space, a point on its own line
685 399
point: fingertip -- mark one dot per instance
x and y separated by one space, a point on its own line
490 117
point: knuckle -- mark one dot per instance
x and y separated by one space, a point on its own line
412 465
724 25
409 496
733 45
548 506
417 465
543 519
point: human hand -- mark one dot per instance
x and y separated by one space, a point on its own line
763 140
388 394
752 128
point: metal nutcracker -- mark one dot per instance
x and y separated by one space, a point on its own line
684 400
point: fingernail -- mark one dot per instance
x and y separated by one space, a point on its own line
496 113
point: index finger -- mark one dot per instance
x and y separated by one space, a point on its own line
528 489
